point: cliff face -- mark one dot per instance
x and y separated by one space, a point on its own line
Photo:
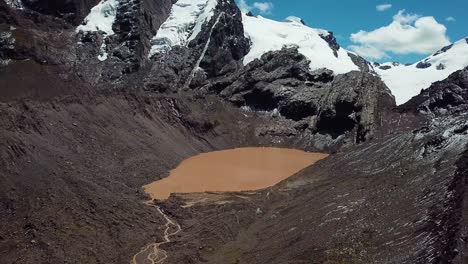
91 110
72 11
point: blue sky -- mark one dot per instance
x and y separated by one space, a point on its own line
414 33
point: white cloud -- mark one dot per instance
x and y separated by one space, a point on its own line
450 19
403 18
408 33
263 7
383 7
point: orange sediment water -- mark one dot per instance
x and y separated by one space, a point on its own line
242 169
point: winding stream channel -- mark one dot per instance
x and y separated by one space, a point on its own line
152 253
242 169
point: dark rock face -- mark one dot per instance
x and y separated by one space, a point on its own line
6 46
444 49
219 49
136 23
358 101
127 28
349 105
385 67
441 66
227 45
5 13
331 40
443 98
73 11
363 64
423 65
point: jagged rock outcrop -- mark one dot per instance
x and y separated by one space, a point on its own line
331 40
363 64
355 101
447 97
6 46
228 44
334 107
216 51
423 65
127 49
444 49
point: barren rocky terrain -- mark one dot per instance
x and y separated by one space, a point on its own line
79 137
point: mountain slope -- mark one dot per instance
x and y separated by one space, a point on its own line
406 81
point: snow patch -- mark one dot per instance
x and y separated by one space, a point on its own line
17 4
183 24
100 19
4 63
269 35
103 55
408 81
273 113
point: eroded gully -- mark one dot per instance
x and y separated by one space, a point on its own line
153 252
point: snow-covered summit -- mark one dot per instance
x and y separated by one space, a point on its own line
269 35
183 25
406 81
187 18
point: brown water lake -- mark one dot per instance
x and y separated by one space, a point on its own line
242 169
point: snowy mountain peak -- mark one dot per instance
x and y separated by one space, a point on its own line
183 25
407 81
188 18
269 35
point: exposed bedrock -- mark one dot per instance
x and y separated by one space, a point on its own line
333 107
71 11
446 97
217 51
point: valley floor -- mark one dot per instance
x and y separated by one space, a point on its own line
72 170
